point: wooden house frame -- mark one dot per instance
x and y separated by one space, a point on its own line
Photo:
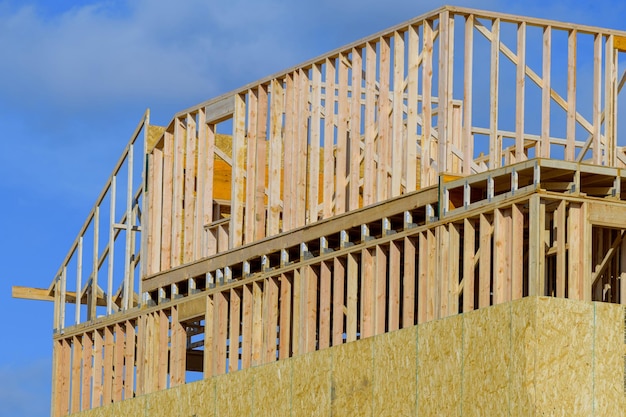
456 161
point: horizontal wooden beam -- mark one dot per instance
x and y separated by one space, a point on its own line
43 294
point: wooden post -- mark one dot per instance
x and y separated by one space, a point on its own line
545 94
484 268
520 92
397 127
190 190
234 332
271 319
339 276
220 332
342 133
536 246
427 175
412 109
517 252
495 141
316 136
468 138
207 366
238 172
570 148
329 138
369 176
355 130
352 296
285 319
383 120
275 152
408 283
367 292
469 264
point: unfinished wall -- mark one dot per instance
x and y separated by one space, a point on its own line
530 357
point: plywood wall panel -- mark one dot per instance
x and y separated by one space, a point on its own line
234 394
522 386
486 361
311 391
395 373
272 389
563 367
609 360
439 367
352 379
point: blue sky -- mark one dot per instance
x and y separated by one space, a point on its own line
75 78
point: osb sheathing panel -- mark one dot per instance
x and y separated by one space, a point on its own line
564 357
167 403
522 390
439 367
486 361
532 357
352 379
311 384
272 389
234 394
608 360
395 373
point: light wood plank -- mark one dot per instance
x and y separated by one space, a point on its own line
412 109
234 323
352 317
355 129
427 174
517 252
275 153
251 167
544 150
329 137
86 372
484 267
570 148
130 343
397 126
520 92
316 136
189 235
285 319
369 176
339 275
271 320
367 292
220 332
384 128
239 172
495 141
261 166
246 326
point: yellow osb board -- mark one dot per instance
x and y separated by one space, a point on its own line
311 384
439 368
564 358
486 361
523 350
167 403
198 398
609 356
352 379
234 394
272 389
395 373
132 407
532 357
